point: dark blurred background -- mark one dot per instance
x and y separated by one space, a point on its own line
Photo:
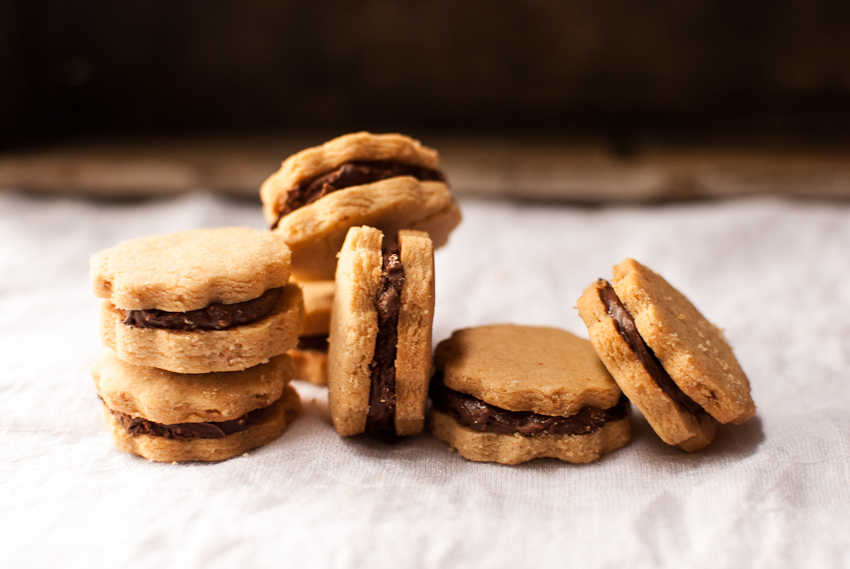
766 72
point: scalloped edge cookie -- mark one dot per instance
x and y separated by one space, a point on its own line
204 351
515 449
188 270
167 397
275 419
315 233
354 330
318 160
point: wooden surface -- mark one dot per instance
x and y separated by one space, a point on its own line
579 171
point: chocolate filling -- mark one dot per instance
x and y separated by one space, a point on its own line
136 426
346 176
625 325
213 317
318 342
380 421
481 416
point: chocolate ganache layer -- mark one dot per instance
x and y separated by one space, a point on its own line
346 176
213 317
136 426
625 325
481 416
380 420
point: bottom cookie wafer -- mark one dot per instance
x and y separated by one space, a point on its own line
515 449
271 425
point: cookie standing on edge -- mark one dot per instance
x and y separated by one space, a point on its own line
165 416
198 301
311 355
379 358
387 181
509 394
671 362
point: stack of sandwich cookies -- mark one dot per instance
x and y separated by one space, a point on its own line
509 394
379 358
199 323
198 301
165 416
389 181
311 355
672 363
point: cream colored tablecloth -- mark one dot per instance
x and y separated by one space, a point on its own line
770 493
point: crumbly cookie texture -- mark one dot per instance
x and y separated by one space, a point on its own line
672 423
526 368
205 351
318 303
167 397
188 270
515 449
310 366
691 349
354 329
315 233
272 425
360 146
415 322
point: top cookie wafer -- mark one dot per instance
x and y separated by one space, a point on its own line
524 368
691 349
192 269
673 364
358 146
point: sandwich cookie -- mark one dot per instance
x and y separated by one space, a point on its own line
671 362
387 181
509 394
166 416
311 355
379 358
198 301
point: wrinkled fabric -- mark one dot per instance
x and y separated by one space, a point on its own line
772 492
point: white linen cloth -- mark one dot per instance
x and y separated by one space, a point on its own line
772 492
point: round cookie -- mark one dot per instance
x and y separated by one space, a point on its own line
355 333
204 351
316 231
167 416
515 449
271 424
509 394
358 146
192 269
639 313
166 397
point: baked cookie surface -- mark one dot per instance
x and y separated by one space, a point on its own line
167 397
355 147
355 332
314 199
506 393
539 369
204 351
269 423
706 383
192 269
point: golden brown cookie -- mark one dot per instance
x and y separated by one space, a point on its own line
506 393
387 181
672 363
203 351
190 270
380 341
167 416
